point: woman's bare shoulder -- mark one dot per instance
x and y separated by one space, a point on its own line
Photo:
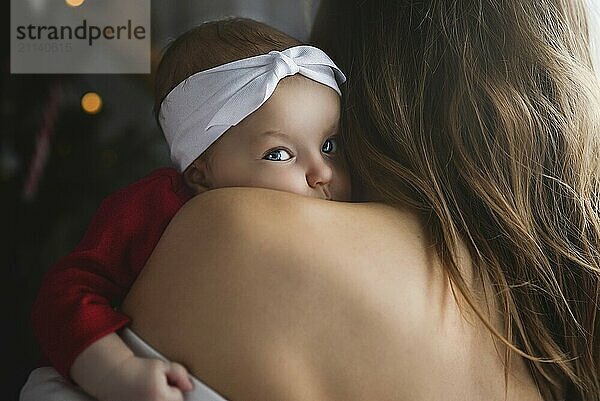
264 214
248 231
331 292
260 225
325 283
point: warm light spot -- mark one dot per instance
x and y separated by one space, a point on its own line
91 103
74 3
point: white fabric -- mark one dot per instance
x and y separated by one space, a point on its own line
205 105
46 384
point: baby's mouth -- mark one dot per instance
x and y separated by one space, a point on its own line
326 193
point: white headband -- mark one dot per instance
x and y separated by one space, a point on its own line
205 105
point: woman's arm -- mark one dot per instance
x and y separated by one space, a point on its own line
268 295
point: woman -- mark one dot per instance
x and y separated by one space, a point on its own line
484 116
478 122
475 276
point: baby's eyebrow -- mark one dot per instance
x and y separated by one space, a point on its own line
276 134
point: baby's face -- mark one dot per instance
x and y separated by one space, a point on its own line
290 144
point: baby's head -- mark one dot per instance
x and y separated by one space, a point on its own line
222 132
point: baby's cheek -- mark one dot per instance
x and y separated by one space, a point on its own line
293 183
231 174
342 191
345 194
282 181
342 187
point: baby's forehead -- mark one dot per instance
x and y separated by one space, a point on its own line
297 136
299 80
300 110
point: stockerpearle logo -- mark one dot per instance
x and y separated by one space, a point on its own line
80 36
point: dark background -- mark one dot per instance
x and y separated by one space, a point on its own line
47 202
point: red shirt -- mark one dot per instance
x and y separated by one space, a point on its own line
75 304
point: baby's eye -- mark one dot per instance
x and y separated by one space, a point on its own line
278 155
330 146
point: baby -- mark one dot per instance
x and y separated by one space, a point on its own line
240 104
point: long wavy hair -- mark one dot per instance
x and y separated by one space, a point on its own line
485 116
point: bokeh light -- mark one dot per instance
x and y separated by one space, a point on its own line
91 103
74 3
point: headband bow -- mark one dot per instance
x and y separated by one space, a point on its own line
205 105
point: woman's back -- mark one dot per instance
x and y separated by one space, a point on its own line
315 301
484 115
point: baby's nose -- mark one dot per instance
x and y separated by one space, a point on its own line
320 173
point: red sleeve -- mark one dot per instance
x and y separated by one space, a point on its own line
75 304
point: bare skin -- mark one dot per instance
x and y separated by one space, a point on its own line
288 144
266 295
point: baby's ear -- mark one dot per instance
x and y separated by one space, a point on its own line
196 176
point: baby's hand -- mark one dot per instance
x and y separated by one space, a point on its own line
143 379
